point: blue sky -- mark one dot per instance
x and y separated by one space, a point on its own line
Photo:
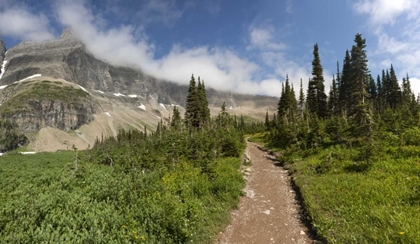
240 45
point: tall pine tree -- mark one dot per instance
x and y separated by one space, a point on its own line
318 83
360 112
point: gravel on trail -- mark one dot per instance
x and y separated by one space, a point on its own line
269 212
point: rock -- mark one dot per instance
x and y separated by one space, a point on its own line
250 193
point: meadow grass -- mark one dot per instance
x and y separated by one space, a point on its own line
349 200
43 199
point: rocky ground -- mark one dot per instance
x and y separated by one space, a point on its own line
269 213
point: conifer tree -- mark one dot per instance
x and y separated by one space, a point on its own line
318 82
287 105
372 88
407 94
192 111
203 103
361 112
197 112
176 118
267 121
333 106
301 99
311 100
394 89
345 82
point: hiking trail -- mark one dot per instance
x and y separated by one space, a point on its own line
269 213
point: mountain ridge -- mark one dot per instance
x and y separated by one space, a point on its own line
66 59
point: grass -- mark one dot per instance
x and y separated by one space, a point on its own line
43 90
43 199
350 200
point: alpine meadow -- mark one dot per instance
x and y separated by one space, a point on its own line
210 122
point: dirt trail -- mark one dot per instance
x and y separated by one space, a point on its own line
269 212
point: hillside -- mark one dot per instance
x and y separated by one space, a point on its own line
60 94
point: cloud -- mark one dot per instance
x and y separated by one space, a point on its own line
262 38
220 67
22 24
400 45
289 6
387 11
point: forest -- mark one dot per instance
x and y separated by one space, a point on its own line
353 154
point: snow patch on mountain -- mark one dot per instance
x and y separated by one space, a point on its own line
119 95
27 78
142 106
3 68
98 91
162 105
84 89
133 96
2 87
107 113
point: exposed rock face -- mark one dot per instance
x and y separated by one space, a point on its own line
36 104
55 114
2 50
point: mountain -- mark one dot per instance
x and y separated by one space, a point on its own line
60 94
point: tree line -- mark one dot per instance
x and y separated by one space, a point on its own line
358 108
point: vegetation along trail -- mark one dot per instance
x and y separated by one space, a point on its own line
269 212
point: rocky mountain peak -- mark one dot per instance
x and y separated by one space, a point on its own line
68 33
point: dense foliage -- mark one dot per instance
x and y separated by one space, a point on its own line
356 165
10 137
175 185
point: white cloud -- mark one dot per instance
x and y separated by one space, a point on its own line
22 24
220 68
387 11
399 46
262 38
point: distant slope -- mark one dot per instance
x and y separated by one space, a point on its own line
58 87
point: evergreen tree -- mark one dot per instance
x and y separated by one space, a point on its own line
192 111
197 112
379 95
372 88
311 100
338 79
267 122
394 89
318 83
281 105
345 83
287 106
203 103
407 93
333 106
361 112
301 100
176 118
